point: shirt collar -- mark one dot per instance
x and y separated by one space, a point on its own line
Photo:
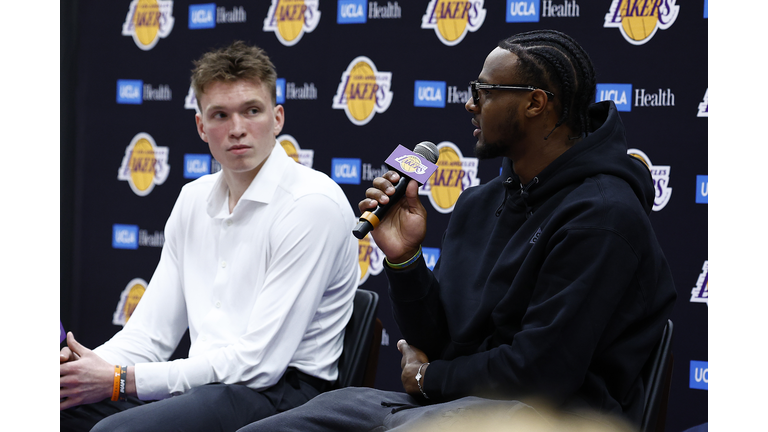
261 189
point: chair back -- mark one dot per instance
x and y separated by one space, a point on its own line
358 342
657 375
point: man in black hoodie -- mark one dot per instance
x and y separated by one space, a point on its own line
551 285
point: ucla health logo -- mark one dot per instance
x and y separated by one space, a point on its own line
454 174
363 91
125 236
370 258
129 299
620 94
202 16
700 293
429 94
291 147
660 174
702 189
704 106
205 16
144 164
431 255
290 19
129 91
452 19
638 20
699 378
147 21
196 165
352 12
523 11
345 170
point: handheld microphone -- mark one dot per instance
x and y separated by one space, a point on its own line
416 165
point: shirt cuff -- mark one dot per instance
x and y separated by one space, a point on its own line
411 283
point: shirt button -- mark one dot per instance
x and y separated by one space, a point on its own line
229 222
223 264
218 304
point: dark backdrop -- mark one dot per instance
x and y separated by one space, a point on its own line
110 235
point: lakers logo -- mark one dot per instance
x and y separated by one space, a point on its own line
660 174
363 91
639 20
411 164
290 19
370 258
454 174
147 21
452 19
144 164
291 147
129 299
700 293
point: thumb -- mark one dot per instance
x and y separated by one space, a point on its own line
404 349
75 346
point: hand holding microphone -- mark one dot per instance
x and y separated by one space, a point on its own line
402 230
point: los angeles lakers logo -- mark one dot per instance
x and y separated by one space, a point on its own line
454 174
290 19
291 146
363 91
129 299
639 20
700 293
144 164
452 19
370 258
147 21
660 174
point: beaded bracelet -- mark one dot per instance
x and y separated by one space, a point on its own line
405 264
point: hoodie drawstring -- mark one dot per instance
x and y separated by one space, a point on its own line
507 185
524 195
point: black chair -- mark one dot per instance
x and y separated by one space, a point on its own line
358 361
657 375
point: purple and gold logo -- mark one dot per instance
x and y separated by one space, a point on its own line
700 293
660 174
454 174
129 299
370 258
363 91
290 19
638 20
147 21
452 19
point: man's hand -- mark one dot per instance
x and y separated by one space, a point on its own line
412 359
85 377
402 230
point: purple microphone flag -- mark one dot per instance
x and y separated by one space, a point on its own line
411 164
63 335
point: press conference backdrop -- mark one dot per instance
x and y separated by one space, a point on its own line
356 79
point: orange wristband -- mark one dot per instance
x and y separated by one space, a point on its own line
116 385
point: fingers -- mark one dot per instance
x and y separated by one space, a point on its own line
64 355
75 345
379 194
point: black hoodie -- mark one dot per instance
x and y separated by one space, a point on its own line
557 289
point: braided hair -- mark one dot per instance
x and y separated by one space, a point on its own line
553 60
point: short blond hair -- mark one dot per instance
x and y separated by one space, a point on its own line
236 62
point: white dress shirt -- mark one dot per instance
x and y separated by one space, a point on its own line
263 288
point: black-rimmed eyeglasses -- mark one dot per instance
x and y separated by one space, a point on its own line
477 85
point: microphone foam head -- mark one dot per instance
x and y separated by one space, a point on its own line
428 150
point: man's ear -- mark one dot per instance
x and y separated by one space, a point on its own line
279 113
200 127
537 103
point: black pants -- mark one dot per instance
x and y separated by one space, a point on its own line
212 407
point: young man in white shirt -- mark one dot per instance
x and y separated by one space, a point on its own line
258 263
